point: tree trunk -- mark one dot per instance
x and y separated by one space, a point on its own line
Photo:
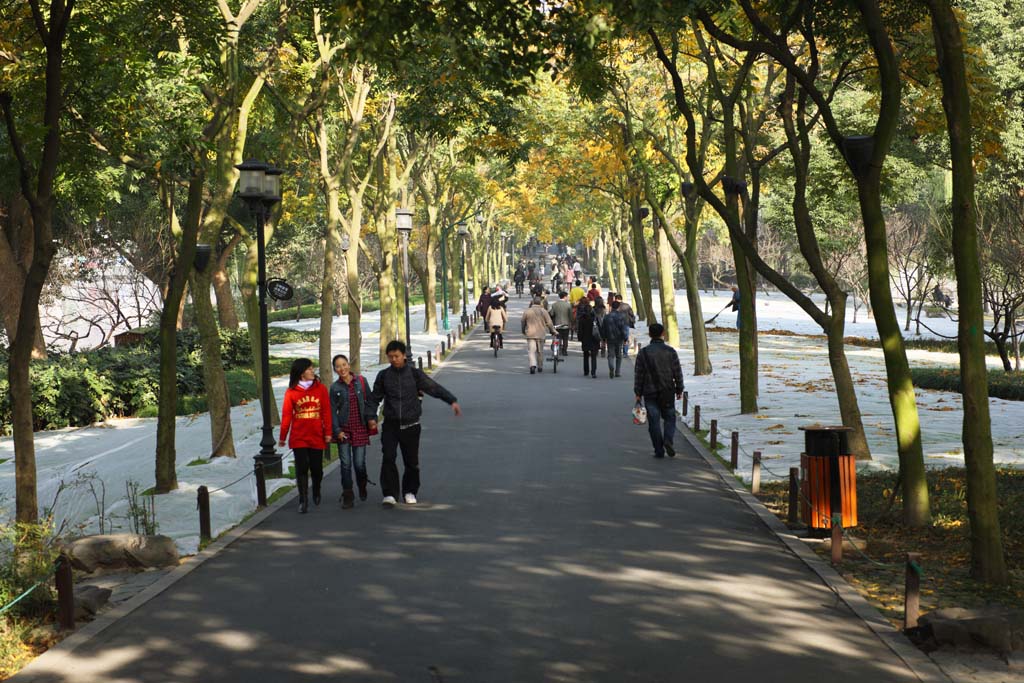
218 400
988 561
332 246
226 313
167 404
846 393
16 247
634 281
666 288
641 264
430 289
354 308
699 335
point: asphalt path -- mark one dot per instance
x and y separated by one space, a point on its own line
548 545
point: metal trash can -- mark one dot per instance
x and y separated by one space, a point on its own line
828 478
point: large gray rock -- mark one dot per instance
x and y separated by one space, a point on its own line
89 600
121 551
999 629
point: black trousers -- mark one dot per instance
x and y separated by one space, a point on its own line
563 334
391 438
308 461
589 361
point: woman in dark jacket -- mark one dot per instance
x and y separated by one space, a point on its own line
349 418
589 335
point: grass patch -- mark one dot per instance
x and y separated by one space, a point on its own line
286 335
197 462
944 547
1001 384
279 494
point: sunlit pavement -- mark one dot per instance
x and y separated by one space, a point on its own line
548 546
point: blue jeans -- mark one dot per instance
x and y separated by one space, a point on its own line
655 416
349 453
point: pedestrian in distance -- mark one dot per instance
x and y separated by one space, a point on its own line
306 425
561 317
536 324
496 319
484 302
600 311
658 381
627 312
594 292
398 388
589 333
614 330
350 418
734 304
576 293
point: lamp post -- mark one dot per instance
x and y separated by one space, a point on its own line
464 234
403 220
260 188
444 278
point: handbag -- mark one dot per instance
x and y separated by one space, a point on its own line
639 414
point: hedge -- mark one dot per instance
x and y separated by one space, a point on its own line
1005 385
312 310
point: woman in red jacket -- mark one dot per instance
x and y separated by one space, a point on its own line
307 415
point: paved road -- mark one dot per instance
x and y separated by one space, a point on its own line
548 546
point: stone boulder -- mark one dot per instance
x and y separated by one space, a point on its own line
121 551
999 629
89 600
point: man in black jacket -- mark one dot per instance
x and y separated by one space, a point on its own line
399 387
657 377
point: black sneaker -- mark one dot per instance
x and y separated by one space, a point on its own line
670 450
533 370
658 456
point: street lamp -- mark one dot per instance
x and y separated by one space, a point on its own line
260 188
403 220
464 234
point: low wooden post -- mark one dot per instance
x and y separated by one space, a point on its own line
449 341
460 329
430 359
714 434
755 473
203 500
65 594
686 403
912 592
261 486
734 450
442 350
419 363
837 539
794 494
696 418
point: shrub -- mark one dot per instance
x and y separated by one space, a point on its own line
1005 385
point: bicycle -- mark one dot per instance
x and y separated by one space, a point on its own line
496 340
519 289
556 353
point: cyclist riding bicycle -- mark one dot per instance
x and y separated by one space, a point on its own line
561 317
497 318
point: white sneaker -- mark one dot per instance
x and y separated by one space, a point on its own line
389 501
410 499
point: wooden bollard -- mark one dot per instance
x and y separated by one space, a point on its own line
419 363
696 418
837 539
714 434
442 349
460 329
261 486
65 593
430 359
203 499
794 494
755 473
449 341
686 403
734 451
912 592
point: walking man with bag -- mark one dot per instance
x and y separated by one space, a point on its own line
658 380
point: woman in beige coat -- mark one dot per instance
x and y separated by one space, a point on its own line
497 317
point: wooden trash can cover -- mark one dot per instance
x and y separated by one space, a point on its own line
828 477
